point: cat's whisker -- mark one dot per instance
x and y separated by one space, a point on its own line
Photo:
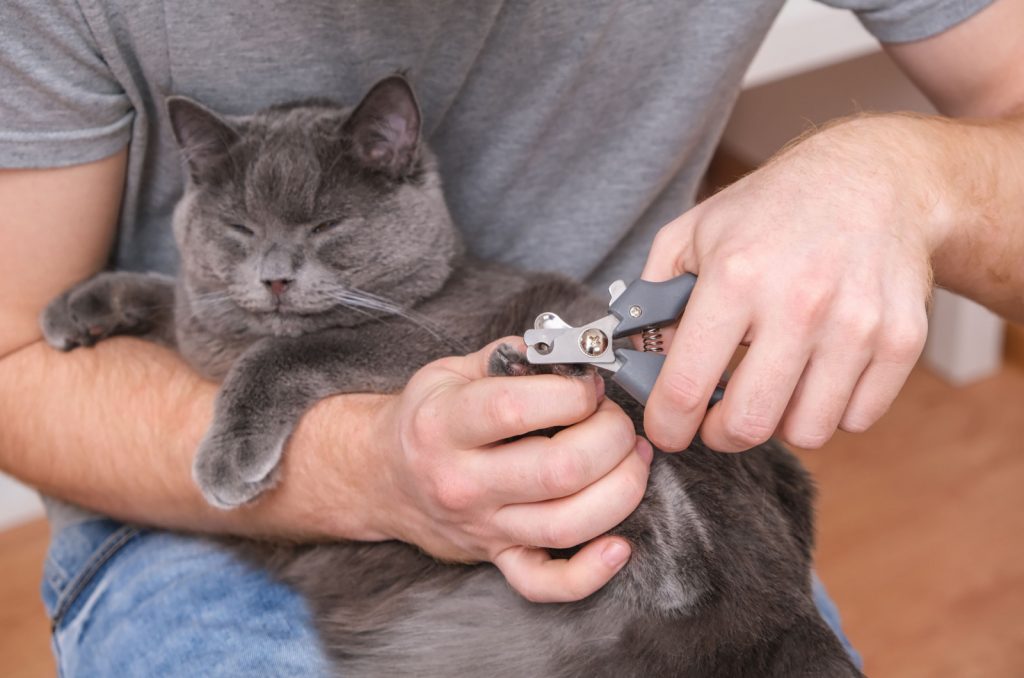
359 310
210 296
365 299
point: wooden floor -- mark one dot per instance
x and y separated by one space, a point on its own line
921 531
921 539
24 628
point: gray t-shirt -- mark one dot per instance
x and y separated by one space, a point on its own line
568 132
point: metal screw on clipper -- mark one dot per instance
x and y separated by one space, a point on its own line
593 342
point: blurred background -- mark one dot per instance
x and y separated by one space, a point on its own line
920 519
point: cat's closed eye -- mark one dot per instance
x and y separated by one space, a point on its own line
241 228
325 226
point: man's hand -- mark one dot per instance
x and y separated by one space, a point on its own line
450 482
820 262
462 494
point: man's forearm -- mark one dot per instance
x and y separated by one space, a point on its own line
114 429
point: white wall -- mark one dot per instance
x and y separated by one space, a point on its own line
18 503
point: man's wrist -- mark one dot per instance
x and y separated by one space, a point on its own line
334 477
908 157
959 185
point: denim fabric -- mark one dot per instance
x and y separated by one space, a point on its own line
830 613
131 602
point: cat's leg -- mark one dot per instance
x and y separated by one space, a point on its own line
261 401
108 304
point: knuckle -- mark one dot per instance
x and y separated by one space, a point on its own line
453 492
856 423
748 430
558 534
737 270
664 238
809 303
861 325
625 435
635 487
505 412
580 400
563 473
861 418
619 433
441 365
808 440
682 391
902 343
427 428
530 593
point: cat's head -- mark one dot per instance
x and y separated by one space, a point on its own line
312 211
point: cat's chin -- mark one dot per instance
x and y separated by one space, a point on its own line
290 322
281 309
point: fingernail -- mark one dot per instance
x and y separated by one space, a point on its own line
615 554
644 449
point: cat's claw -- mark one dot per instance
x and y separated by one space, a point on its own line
234 470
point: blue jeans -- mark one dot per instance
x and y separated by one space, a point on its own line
131 602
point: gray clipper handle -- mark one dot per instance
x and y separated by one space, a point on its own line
639 371
645 304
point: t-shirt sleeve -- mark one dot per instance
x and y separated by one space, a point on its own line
909 20
59 103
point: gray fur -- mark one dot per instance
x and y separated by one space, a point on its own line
319 258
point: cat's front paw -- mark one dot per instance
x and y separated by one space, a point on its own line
509 362
233 469
88 313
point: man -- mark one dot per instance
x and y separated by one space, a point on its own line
568 135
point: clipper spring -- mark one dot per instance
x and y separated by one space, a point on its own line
652 340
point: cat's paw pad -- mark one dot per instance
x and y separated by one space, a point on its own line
85 315
509 362
233 470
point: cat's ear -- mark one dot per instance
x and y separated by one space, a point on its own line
385 127
204 137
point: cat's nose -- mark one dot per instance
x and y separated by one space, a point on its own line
278 286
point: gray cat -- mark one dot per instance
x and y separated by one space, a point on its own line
318 257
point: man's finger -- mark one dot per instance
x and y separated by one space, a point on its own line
665 258
569 521
821 397
708 334
758 392
490 410
896 352
538 468
542 579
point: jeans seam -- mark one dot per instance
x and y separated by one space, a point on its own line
61 576
105 552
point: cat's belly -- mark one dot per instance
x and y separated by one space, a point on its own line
397 613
